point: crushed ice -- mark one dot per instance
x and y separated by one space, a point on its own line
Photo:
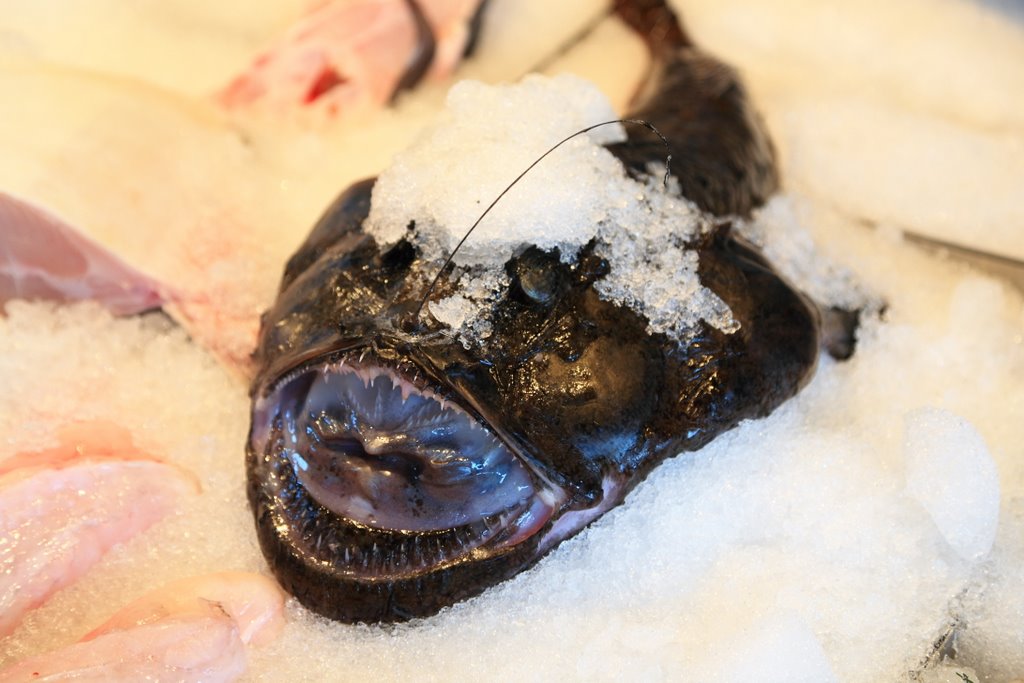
460 311
951 473
781 232
579 194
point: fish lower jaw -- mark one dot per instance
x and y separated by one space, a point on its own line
571 522
386 556
350 572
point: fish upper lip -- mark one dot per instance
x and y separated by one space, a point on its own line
400 356
499 530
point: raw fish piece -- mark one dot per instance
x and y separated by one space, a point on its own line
189 648
94 440
351 53
42 257
62 508
254 602
193 629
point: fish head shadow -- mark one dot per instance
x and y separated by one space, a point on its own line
394 470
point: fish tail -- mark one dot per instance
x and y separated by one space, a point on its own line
656 23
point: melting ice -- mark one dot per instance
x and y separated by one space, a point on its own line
487 137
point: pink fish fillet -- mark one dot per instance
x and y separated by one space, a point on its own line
41 257
44 258
351 53
188 648
253 601
189 630
61 509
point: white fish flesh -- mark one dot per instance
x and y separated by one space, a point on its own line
195 629
62 508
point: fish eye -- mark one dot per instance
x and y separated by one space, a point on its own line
399 257
538 274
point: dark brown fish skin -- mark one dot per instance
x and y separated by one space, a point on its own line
423 54
722 154
573 384
426 45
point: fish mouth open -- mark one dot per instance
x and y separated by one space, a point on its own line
400 479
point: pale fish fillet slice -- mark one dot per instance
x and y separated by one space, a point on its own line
42 257
347 55
188 630
197 648
62 508
253 601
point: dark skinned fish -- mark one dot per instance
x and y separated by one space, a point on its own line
393 472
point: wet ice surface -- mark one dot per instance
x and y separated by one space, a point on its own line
443 183
951 474
818 542
471 160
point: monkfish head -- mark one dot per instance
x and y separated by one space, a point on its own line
395 469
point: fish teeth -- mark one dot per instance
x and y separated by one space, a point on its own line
487 525
378 405
399 559
416 552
